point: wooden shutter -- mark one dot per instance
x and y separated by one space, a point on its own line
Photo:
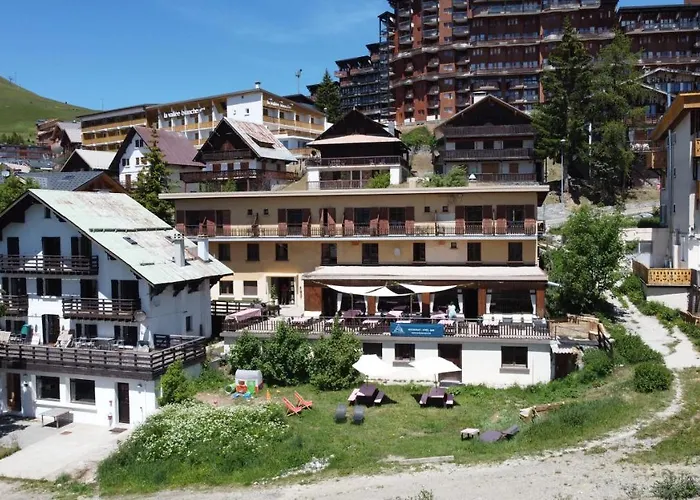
530 219
487 214
305 222
384 221
410 219
40 286
348 222
501 211
226 221
74 246
115 289
459 219
282 221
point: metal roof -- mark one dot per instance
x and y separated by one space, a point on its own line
110 218
96 160
254 135
64 181
177 149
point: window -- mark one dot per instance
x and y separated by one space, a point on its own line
82 391
474 252
86 330
138 161
125 162
48 388
225 251
188 323
281 252
515 252
372 348
426 210
419 252
47 213
253 254
370 253
139 143
404 352
329 254
129 335
250 288
513 357
226 287
50 287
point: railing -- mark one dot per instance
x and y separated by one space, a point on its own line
474 154
110 309
657 159
237 154
356 161
226 307
470 328
113 125
460 17
15 305
224 175
49 264
123 361
506 178
659 276
337 184
489 130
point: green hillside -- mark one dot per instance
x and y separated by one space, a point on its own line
20 109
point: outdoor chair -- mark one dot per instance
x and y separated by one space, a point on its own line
5 337
302 402
341 413
358 415
291 409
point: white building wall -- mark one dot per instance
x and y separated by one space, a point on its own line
671 296
481 364
246 107
681 191
132 154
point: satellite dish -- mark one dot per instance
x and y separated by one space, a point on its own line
140 316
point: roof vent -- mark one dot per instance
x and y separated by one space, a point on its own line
130 240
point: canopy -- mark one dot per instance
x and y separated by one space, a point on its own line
427 288
372 366
383 291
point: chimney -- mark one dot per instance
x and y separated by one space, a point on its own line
203 248
257 85
179 243
477 96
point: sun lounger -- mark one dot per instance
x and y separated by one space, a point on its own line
491 436
423 400
379 398
449 401
341 413
291 409
510 432
302 402
353 396
358 415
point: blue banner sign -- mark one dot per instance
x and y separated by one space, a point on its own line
416 330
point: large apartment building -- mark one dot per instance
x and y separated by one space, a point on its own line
106 130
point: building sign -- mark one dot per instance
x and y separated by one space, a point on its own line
184 112
416 330
275 104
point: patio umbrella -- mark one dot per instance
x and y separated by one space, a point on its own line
372 366
434 366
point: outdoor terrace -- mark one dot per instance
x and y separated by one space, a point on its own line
479 154
100 309
125 361
661 276
48 264
357 161
15 305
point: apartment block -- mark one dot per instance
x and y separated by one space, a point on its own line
106 130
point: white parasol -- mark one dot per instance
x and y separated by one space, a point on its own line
434 366
372 366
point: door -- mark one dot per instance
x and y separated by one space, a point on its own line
329 304
51 250
123 403
471 302
14 392
13 252
50 327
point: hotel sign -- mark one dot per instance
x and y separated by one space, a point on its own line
416 330
184 112
275 104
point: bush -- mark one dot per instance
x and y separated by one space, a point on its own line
652 377
379 181
597 365
456 177
285 357
633 350
331 366
175 387
676 487
246 353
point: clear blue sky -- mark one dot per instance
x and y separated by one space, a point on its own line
97 53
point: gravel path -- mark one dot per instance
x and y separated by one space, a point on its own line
555 214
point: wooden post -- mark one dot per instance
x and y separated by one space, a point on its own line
481 302
371 306
539 304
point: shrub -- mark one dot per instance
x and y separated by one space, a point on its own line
285 357
633 350
175 387
246 353
597 365
331 366
379 181
456 177
652 377
676 487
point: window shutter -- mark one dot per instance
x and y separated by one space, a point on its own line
74 246
487 214
40 287
501 212
410 219
281 215
115 289
459 219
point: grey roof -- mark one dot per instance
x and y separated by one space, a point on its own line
115 220
252 132
73 130
96 160
177 149
63 181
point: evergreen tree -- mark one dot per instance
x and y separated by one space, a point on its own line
153 180
563 115
12 188
328 98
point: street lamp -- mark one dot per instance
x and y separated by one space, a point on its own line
561 192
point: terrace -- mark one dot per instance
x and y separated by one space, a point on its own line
100 309
478 154
489 130
661 276
49 264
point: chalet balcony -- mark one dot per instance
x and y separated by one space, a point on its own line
49 264
460 4
226 175
101 309
661 276
238 154
357 161
489 131
430 34
490 154
15 305
430 5
404 12
506 178
128 363
460 31
406 40
657 159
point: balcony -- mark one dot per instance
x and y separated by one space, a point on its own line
404 12
430 5
657 160
49 264
489 131
226 175
405 26
434 90
101 309
658 276
15 305
406 40
506 178
341 73
238 154
495 154
460 17
434 104
463 61
408 69
127 363
356 161
431 34
460 4
434 62
430 20
460 31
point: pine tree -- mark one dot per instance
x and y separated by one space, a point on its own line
153 180
563 115
328 98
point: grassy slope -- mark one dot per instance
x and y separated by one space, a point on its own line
20 109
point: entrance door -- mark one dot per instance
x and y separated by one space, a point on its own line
51 250
329 304
123 403
50 324
451 352
285 289
14 392
471 302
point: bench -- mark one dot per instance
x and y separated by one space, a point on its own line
379 398
468 433
353 396
56 414
449 401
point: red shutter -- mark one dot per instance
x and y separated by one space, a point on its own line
306 222
180 221
282 222
459 219
501 211
348 223
530 219
384 221
487 214
410 219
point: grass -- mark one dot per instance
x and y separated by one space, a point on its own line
20 109
404 429
63 488
7 450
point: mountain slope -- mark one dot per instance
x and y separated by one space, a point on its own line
20 109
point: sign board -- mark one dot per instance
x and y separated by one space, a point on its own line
184 112
416 330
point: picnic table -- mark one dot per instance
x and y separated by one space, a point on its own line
367 394
245 314
57 414
437 396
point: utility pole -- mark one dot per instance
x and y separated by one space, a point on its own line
298 75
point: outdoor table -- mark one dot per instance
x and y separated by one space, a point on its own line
437 395
351 313
245 314
367 391
469 433
103 342
57 414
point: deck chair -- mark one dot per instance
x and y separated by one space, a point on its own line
291 409
510 432
5 337
358 415
302 402
341 413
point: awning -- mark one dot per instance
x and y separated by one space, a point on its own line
427 288
372 291
421 274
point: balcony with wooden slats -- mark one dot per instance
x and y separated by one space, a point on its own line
49 264
100 309
661 276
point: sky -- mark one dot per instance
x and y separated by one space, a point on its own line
104 54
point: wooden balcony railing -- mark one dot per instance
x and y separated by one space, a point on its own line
105 309
659 276
226 307
357 161
489 130
478 154
15 305
225 175
507 178
129 363
237 154
338 184
112 125
657 159
49 264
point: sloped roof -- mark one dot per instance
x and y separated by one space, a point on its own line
353 139
177 149
114 221
354 122
481 102
96 160
64 181
73 131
